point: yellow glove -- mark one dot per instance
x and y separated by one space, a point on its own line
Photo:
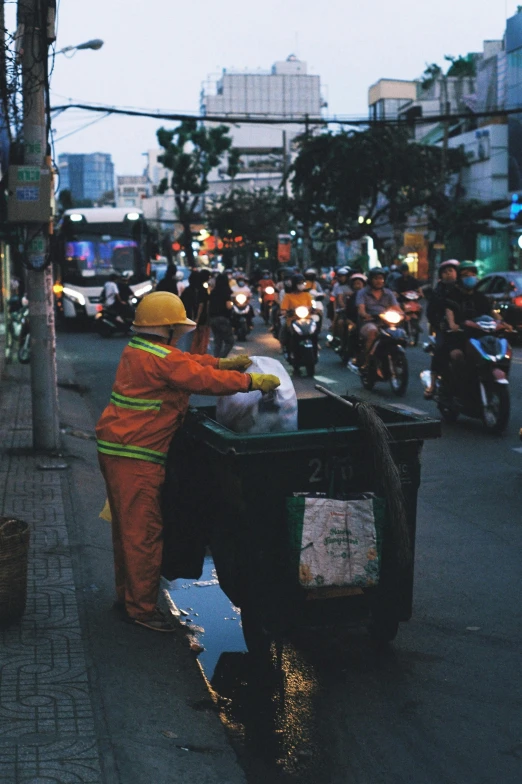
264 382
241 362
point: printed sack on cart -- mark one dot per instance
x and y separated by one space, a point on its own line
253 412
336 542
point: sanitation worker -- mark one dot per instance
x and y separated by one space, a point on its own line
149 400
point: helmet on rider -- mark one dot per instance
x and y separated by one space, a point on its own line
376 277
161 310
298 282
310 274
343 271
448 270
266 274
404 267
468 274
358 281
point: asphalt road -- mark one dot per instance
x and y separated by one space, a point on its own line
444 704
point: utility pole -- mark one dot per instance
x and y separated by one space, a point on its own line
35 15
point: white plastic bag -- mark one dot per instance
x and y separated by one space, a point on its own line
253 412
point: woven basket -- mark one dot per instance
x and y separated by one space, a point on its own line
14 550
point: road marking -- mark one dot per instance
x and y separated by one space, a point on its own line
516 361
325 380
517 449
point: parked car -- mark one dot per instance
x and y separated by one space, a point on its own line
504 290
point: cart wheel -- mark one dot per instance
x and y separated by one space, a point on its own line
383 630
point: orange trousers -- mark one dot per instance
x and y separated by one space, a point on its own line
134 491
200 340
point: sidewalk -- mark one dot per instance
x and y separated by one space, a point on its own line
83 696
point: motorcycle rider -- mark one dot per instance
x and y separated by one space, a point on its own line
464 303
266 282
241 287
351 337
340 291
149 400
311 282
406 282
436 313
297 297
371 301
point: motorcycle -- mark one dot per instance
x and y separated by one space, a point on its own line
412 308
481 389
240 316
267 300
387 359
302 334
109 322
19 336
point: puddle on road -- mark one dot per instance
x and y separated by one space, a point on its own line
269 713
207 607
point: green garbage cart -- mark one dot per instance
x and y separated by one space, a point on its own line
235 488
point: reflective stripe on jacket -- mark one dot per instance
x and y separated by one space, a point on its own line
151 394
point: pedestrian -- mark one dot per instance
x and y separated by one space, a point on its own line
201 337
169 282
220 315
149 400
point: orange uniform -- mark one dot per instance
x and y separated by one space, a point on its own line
149 400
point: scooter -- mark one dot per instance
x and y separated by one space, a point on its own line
19 337
109 322
387 359
301 349
240 313
409 302
480 388
267 300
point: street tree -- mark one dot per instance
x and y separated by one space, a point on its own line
248 221
364 182
191 152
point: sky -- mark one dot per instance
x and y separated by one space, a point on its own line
157 53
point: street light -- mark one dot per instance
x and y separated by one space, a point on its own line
96 43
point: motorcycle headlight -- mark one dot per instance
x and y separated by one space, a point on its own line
391 317
241 299
301 312
269 290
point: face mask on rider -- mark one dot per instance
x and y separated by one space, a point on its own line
469 282
300 287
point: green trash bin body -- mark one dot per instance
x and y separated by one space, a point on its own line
239 484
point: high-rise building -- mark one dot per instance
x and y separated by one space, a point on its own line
285 92
87 176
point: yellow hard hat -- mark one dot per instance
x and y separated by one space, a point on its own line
161 309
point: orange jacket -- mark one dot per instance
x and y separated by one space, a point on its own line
151 394
294 300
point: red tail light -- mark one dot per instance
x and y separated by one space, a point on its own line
518 302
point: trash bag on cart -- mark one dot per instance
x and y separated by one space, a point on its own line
254 412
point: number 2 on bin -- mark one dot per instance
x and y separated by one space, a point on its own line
321 472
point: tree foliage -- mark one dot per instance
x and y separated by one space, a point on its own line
357 181
192 150
248 220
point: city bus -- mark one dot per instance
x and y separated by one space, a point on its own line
91 244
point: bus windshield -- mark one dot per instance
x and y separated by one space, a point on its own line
101 256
